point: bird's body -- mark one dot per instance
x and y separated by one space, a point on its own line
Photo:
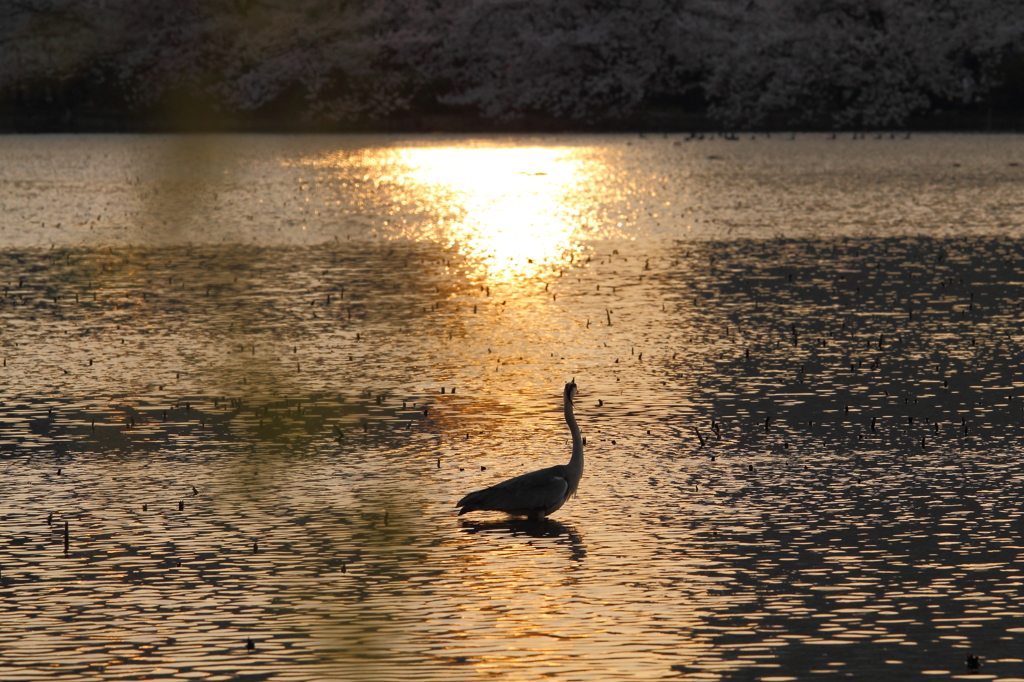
538 493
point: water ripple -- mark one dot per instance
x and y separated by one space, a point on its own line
802 451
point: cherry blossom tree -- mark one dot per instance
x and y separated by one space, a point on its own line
843 63
574 59
857 63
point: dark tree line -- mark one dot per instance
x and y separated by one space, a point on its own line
369 63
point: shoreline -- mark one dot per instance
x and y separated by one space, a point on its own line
651 121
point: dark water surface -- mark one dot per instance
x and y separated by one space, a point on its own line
253 375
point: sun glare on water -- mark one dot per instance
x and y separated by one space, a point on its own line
508 209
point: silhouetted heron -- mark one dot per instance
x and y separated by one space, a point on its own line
538 493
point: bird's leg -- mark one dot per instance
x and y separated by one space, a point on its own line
538 515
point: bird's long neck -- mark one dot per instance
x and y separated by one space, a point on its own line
576 463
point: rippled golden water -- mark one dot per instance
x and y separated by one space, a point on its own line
253 375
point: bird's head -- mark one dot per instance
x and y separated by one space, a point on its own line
570 390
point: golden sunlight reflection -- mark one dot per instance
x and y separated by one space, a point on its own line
508 209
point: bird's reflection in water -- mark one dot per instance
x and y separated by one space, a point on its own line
548 528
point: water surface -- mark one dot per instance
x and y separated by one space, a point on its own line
254 374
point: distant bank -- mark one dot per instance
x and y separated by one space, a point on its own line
54 118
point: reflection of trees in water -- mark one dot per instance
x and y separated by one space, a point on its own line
873 347
562 534
216 342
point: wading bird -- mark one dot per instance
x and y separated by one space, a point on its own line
538 493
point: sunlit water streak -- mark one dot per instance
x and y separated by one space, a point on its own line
284 388
507 208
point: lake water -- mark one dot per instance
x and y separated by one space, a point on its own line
253 374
